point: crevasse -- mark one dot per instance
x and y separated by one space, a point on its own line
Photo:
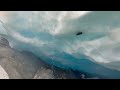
51 35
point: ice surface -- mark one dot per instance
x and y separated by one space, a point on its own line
52 37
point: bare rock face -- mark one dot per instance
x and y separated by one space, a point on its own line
4 42
44 74
25 65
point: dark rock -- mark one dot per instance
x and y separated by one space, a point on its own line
25 65
4 42
79 33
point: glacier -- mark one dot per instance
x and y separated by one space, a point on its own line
52 36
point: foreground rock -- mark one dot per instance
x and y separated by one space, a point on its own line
24 65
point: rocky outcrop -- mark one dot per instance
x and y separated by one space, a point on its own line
25 65
4 42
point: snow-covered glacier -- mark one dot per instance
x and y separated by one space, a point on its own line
88 41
